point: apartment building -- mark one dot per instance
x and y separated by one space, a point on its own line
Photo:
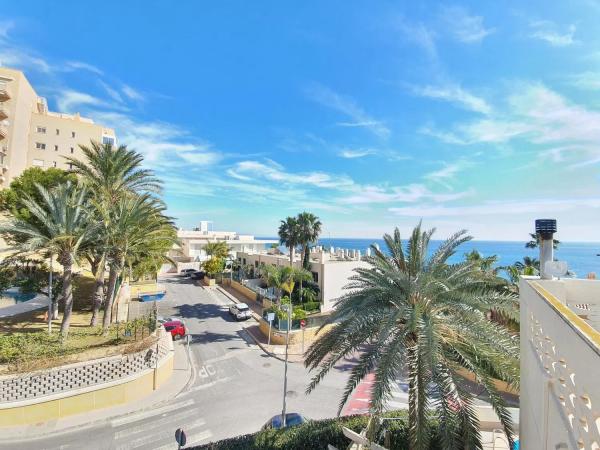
32 136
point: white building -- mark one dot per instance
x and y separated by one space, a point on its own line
330 270
193 243
560 364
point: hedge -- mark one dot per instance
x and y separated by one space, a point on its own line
316 435
311 306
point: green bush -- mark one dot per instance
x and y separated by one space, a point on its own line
311 306
316 435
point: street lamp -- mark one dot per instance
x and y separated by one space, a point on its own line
287 341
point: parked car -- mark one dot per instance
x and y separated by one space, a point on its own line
291 420
161 319
240 311
176 328
187 272
197 275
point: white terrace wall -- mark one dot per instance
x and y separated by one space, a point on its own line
560 367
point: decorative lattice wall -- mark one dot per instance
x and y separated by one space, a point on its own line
17 388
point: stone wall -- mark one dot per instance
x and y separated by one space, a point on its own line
64 380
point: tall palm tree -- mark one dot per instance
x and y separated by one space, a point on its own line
109 173
289 235
135 222
63 225
414 315
217 249
309 229
535 241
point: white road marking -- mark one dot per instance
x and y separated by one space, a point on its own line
134 418
207 385
152 424
163 434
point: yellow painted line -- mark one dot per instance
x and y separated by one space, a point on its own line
581 325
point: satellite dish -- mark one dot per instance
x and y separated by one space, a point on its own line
556 268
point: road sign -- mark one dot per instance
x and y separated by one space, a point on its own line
270 317
303 323
180 437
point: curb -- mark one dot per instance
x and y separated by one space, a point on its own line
257 318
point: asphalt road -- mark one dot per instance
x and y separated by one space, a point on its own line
235 387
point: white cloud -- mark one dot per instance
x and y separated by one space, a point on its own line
548 31
457 95
448 173
407 194
352 154
17 58
499 208
465 27
421 36
132 93
79 65
586 80
70 101
348 107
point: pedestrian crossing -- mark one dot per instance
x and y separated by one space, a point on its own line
158 432
360 401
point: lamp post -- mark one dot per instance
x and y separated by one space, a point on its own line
287 341
50 309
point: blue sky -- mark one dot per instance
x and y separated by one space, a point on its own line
372 115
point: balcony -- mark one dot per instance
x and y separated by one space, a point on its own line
3 112
4 95
3 133
560 363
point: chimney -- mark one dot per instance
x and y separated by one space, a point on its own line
545 229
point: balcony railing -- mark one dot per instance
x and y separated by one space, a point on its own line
560 363
3 112
4 95
3 133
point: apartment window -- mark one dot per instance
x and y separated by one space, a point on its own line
72 134
315 276
108 140
57 132
53 163
40 146
41 130
56 148
38 162
72 150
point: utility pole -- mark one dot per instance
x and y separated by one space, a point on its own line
287 341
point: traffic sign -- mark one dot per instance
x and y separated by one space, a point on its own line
303 323
270 317
180 437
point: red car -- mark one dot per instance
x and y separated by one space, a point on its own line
176 328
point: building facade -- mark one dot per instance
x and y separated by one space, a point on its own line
560 364
32 136
330 270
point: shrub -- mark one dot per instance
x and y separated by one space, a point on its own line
311 306
318 434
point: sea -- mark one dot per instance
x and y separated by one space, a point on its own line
581 257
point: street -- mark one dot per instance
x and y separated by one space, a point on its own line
234 389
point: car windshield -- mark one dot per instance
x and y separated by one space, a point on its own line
169 328
242 308
290 420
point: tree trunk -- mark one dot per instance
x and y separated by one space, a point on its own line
292 256
67 294
306 257
110 298
97 297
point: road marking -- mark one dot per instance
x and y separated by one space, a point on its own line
207 385
134 418
163 434
196 439
150 424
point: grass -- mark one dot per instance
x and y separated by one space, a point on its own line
25 344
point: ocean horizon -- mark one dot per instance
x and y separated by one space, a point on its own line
581 257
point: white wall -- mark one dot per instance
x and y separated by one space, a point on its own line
336 275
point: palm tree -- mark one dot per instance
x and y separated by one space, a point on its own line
134 224
309 229
289 235
535 241
109 173
217 249
529 266
63 225
414 315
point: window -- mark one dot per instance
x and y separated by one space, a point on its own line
70 166
53 163
72 134
72 149
56 148
108 140
41 130
40 146
315 276
38 162
57 132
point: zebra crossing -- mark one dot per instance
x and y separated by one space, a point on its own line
159 433
360 400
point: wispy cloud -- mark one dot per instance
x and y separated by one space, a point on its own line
369 194
347 106
448 173
353 154
79 65
455 94
549 32
420 35
70 101
586 80
132 94
465 27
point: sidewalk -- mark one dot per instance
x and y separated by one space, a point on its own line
276 351
182 372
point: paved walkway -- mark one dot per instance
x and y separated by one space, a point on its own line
38 302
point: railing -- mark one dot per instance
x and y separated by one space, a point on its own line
4 95
267 293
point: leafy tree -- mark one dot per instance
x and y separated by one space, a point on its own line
414 314
219 249
62 225
289 235
485 263
213 266
309 229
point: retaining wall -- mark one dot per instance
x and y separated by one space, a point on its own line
76 388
